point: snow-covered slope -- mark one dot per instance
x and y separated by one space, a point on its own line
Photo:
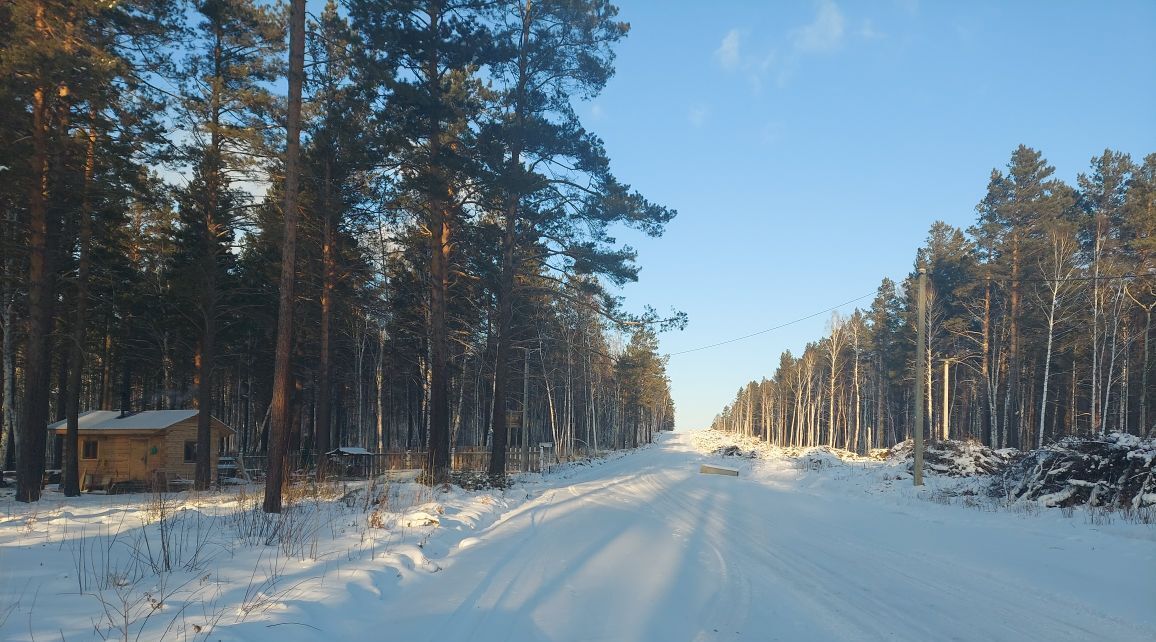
642 547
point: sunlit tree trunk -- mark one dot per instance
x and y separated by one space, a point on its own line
71 472
282 369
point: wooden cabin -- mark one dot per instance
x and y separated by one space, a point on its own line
142 448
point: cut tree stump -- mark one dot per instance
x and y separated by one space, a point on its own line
711 469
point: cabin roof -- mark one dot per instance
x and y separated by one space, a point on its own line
147 420
349 450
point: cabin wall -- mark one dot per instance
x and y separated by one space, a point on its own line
173 462
116 459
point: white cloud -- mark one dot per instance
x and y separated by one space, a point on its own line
734 54
824 33
729 54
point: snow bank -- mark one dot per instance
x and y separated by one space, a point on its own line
1113 472
201 566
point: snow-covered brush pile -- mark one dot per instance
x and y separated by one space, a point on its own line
1113 471
734 451
953 458
819 457
725 444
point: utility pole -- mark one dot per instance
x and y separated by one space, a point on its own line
920 357
526 412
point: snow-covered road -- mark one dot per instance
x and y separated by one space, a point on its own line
636 548
645 548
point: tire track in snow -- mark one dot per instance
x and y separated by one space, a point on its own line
644 548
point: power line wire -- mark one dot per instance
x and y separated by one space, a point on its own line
778 327
859 298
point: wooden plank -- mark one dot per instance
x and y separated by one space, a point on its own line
711 469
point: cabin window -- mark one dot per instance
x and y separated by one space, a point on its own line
190 452
88 451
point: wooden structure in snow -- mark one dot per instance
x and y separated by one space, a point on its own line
711 469
145 448
351 461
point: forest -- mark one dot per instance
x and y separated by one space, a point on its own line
1038 317
414 248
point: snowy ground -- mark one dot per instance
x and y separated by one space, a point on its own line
802 545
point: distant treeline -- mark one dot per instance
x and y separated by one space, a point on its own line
1039 325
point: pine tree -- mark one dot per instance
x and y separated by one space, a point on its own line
226 103
426 117
69 66
553 50
1015 204
1140 232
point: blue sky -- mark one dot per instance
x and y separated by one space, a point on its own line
809 145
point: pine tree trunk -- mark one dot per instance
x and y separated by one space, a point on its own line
500 439
440 229
323 428
7 304
204 363
438 462
71 472
32 433
1012 426
281 410
379 388
1145 429
106 369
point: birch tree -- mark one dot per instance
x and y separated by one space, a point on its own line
1058 266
